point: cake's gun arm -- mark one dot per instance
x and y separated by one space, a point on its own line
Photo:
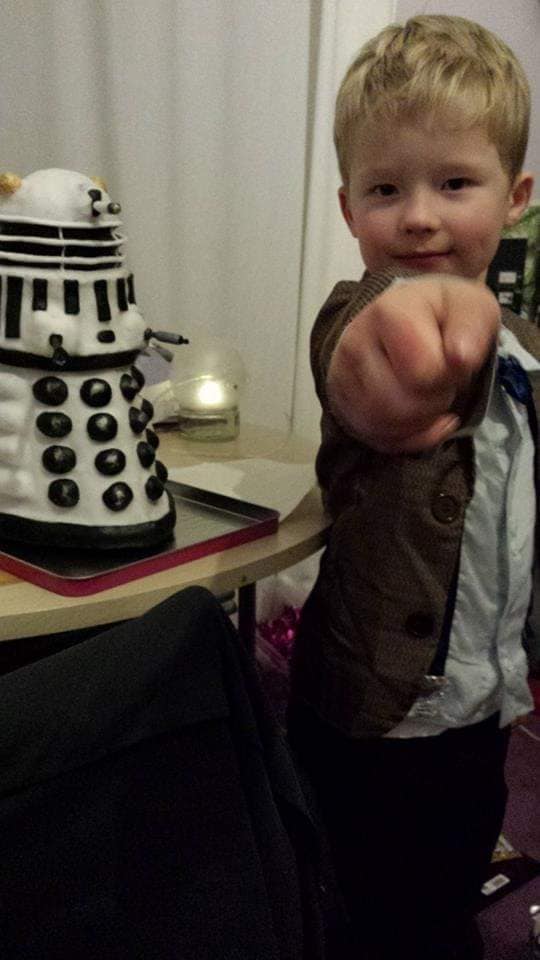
164 336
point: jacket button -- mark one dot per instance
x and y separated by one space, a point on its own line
445 508
420 625
432 682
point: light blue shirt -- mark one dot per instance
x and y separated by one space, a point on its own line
486 668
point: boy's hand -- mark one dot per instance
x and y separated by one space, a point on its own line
403 367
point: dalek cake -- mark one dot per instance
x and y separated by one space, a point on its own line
78 456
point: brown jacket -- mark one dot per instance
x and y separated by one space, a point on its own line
371 626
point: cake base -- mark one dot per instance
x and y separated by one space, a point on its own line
84 537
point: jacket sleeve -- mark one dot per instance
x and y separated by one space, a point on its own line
347 299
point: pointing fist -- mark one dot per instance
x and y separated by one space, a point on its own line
404 367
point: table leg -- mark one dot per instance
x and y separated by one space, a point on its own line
247 605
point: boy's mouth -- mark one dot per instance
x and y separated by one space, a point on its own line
422 258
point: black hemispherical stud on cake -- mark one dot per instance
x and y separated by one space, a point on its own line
78 457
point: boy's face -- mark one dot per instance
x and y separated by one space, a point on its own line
430 199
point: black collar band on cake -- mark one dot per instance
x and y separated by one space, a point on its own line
98 361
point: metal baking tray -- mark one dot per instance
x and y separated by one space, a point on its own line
206 523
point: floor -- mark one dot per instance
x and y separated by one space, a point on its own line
506 924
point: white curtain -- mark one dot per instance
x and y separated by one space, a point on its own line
330 253
210 120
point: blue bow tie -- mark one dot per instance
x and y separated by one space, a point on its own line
513 378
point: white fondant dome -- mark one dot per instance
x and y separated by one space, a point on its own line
59 197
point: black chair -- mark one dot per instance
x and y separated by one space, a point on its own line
149 807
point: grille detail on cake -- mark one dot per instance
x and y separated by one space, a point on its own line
23 245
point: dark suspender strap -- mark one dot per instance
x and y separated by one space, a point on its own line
439 660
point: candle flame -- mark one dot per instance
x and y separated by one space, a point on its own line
210 393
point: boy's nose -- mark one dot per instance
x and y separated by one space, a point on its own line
419 214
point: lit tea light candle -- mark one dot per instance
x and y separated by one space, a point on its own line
208 409
206 384
213 395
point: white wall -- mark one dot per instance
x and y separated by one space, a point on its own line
330 253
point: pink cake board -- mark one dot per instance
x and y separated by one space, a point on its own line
206 523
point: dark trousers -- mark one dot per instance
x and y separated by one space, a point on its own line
412 825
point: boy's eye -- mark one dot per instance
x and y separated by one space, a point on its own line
383 189
456 183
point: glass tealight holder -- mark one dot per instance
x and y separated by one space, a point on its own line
207 409
206 382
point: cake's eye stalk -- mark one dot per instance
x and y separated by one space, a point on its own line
9 183
100 206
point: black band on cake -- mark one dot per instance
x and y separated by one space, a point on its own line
12 228
16 358
79 536
49 265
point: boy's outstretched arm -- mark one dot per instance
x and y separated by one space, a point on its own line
403 369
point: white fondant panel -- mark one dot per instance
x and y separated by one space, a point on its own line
31 444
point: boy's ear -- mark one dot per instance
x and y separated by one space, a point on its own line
519 197
345 209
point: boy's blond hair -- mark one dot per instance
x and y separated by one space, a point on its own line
447 68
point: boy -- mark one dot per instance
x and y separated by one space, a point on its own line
409 667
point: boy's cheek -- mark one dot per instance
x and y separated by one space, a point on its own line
374 244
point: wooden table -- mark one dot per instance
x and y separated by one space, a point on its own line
30 611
